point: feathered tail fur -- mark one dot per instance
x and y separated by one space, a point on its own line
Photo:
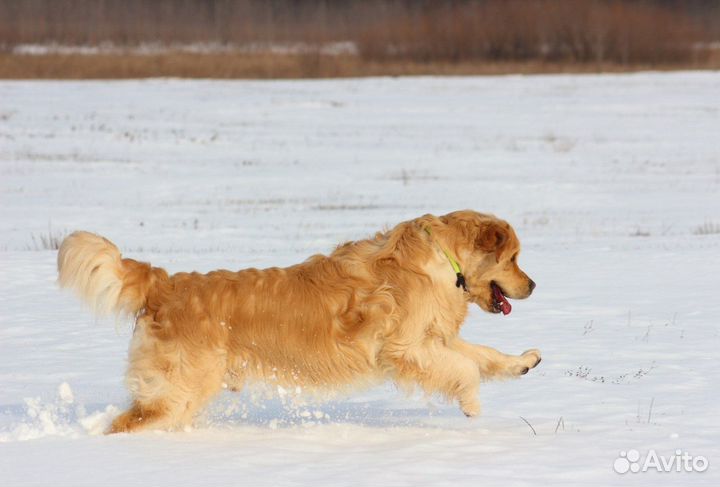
93 268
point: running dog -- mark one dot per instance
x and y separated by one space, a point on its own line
389 307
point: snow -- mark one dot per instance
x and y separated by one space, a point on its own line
612 183
158 48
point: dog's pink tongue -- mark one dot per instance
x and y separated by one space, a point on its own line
505 307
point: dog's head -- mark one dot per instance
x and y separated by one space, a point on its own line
488 249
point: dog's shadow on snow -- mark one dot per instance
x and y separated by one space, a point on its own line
235 410
37 418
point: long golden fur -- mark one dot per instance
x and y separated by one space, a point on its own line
385 307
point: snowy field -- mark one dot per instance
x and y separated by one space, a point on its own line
612 183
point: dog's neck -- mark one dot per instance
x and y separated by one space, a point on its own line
459 276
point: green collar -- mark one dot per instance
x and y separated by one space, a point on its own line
454 263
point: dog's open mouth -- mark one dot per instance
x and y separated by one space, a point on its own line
500 302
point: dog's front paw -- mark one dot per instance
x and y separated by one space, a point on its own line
470 408
531 359
528 360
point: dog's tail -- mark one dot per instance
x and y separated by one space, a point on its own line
93 268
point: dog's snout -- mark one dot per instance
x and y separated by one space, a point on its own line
531 285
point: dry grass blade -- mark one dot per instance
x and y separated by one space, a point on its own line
531 426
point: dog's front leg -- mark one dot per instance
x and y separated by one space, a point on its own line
495 364
437 368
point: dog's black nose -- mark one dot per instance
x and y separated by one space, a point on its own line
532 285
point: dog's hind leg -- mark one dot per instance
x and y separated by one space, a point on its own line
168 383
175 406
203 384
171 412
142 416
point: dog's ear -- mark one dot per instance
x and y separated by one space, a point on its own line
492 237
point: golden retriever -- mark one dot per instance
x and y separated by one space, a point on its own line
389 307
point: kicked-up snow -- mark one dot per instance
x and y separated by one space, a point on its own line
612 183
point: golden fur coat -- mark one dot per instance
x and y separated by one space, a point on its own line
383 308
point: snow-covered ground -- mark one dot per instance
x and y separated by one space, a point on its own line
613 185
157 48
